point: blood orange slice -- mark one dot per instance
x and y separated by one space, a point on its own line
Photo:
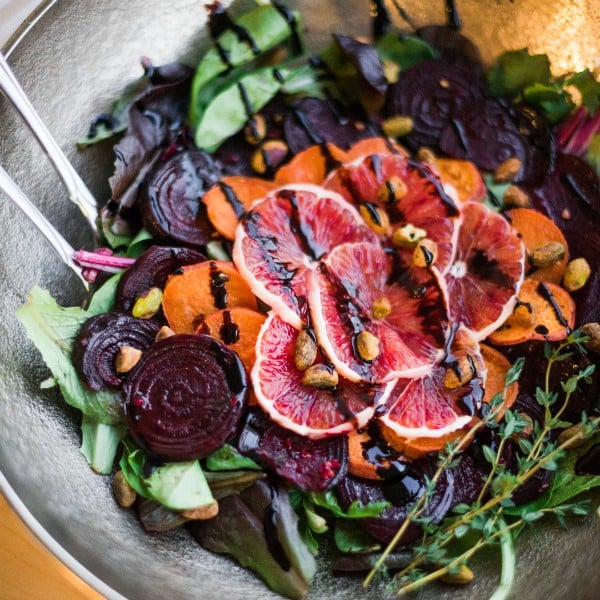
304 409
280 239
352 304
438 404
487 271
408 191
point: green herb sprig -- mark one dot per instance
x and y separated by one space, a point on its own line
494 519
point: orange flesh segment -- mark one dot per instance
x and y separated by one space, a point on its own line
237 328
553 315
464 177
536 230
497 367
310 165
201 289
242 192
358 465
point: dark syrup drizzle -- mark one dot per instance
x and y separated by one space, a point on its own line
452 14
544 291
229 331
232 199
218 279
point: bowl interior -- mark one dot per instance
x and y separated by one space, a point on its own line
72 63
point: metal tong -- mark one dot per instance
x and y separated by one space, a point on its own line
77 190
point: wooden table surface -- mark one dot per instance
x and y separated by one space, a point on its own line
28 570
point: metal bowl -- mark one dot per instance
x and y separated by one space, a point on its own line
73 59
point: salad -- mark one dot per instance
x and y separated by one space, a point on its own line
353 301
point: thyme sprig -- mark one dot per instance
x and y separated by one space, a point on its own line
493 519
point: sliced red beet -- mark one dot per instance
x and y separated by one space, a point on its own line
431 93
184 398
312 465
313 121
404 486
99 341
570 196
170 199
489 132
150 270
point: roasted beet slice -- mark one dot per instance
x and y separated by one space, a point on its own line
312 465
403 486
99 340
170 198
570 196
491 131
314 121
431 93
150 270
185 397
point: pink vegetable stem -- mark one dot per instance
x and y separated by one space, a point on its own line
101 260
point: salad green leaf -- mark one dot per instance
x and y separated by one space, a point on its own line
589 88
100 443
177 485
404 50
53 329
265 25
229 110
356 510
351 539
592 156
515 69
227 458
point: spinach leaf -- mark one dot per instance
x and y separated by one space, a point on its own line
99 444
356 510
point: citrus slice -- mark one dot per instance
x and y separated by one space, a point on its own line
536 231
305 409
424 414
279 241
352 306
408 191
487 271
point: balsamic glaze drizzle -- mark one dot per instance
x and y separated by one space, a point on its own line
218 279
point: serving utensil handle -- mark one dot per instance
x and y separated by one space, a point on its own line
64 250
77 190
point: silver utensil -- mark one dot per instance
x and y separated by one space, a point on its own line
77 191
64 250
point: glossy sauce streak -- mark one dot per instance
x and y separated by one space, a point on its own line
546 294
232 199
452 14
219 21
300 229
375 161
313 136
218 279
292 22
245 100
426 173
380 18
269 244
234 371
229 332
